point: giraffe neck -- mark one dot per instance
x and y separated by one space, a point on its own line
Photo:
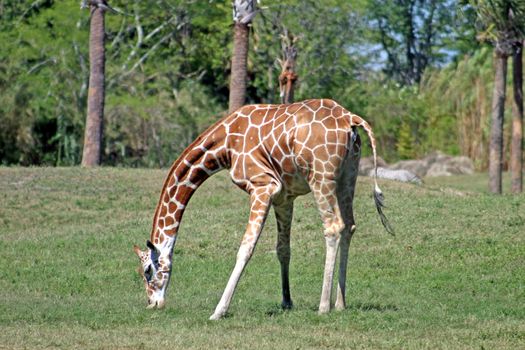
203 158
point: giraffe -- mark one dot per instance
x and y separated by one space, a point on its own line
275 153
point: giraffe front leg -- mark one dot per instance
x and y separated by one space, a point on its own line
260 202
283 214
243 256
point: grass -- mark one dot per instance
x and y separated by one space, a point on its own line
477 183
453 277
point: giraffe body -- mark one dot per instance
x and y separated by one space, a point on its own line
274 153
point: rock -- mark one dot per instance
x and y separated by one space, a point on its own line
436 156
367 164
451 166
438 169
418 167
434 164
397 175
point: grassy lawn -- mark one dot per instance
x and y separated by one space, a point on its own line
453 277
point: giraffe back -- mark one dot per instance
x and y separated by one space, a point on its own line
294 143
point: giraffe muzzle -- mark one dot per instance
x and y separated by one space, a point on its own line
155 304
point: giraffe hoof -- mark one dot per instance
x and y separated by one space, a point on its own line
215 317
340 307
287 305
323 309
158 304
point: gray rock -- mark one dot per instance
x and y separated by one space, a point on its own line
434 164
367 164
436 156
418 167
452 166
397 175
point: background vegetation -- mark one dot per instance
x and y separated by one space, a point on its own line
168 69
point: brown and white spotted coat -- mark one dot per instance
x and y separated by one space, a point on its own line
274 153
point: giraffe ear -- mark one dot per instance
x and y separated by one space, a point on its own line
137 250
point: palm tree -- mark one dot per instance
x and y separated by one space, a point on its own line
502 23
243 13
516 150
95 111
496 129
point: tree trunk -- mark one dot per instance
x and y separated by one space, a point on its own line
239 66
496 130
410 38
288 77
516 151
95 113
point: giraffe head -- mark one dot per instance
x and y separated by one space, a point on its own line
154 273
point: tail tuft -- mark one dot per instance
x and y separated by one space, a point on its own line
379 199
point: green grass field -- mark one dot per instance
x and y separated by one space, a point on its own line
453 277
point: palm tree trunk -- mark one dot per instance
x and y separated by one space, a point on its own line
95 114
516 151
239 66
496 130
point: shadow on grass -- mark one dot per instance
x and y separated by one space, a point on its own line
372 307
277 310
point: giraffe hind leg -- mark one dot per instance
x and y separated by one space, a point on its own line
346 236
283 214
345 193
327 203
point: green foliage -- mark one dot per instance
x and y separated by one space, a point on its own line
501 22
41 89
451 278
326 64
150 126
405 142
168 68
156 99
463 92
449 111
412 35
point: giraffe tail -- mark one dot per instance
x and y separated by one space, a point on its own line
379 199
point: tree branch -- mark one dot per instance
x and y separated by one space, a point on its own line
147 54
